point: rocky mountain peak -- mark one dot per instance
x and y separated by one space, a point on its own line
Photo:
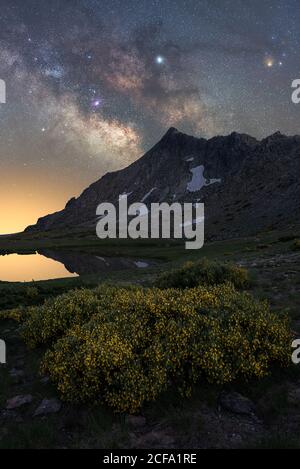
246 185
276 136
173 135
246 139
172 131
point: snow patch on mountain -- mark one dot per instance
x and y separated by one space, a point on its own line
148 193
141 264
198 180
195 221
124 195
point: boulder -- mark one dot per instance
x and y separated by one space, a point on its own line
48 406
236 403
18 401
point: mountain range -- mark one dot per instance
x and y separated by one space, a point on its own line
247 185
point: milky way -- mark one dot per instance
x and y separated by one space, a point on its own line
92 84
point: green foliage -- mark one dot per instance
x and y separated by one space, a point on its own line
203 272
32 293
126 346
16 314
296 245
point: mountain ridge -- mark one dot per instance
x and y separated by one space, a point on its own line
234 175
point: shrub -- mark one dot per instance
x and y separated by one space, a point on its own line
284 239
49 321
32 293
296 245
145 340
203 272
16 314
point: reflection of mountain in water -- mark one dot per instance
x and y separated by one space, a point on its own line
86 264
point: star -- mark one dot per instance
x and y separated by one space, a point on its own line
159 59
96 103
269 62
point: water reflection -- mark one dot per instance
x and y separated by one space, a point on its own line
50 264
24 268
85 264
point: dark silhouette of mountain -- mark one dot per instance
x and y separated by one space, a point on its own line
247 185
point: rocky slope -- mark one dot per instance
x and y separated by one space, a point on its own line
247 185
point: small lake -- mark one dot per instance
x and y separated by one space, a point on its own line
50 264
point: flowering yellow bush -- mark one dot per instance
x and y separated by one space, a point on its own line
49 321
203 272
15 314
128 345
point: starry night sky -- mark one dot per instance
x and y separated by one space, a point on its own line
92 84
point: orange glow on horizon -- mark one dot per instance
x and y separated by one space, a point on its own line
27 194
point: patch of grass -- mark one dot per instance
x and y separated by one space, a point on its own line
296 245
102 429
5 384
32 435
286 238
276 442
